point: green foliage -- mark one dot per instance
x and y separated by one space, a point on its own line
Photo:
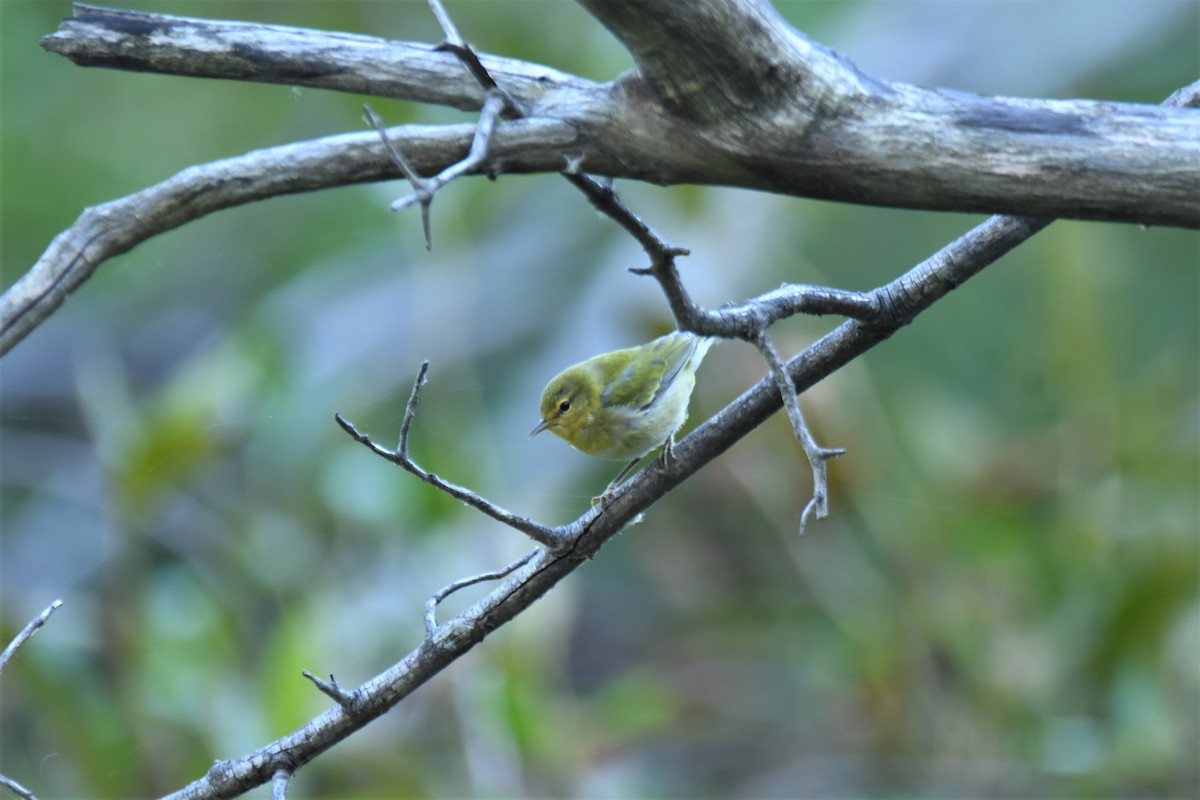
1004 601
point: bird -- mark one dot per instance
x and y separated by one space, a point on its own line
623 404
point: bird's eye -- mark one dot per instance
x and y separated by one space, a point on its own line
564 406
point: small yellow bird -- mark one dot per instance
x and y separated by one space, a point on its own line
623 404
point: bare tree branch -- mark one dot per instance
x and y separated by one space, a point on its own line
453 37
29 630
900 302
856 139
749 321
727 93
23 636
435 599
251 51
279 784
806 123
493 104
16 788
547 537
818 504
332 689
116 227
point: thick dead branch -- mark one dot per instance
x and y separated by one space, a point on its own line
726 93
873 142
717 58
251 51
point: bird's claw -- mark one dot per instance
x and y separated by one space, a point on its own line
666 456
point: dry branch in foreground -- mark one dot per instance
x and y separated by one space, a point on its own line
724 92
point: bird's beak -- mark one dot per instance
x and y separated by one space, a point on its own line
541 426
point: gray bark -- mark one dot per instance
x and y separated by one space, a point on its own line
725 92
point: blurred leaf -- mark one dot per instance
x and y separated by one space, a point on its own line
1003 602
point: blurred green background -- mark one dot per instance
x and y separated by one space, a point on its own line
1004 601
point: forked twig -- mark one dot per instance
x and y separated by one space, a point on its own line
547 537
420 190
495 102
749 320
330 688
818 504
432 603
732 321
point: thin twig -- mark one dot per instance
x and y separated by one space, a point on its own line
16 788
331 689
410 409
818 504
393 151
279 784
739 321
432 603
424 190
494 103
456 44
605 200
29 630
418 183
791 299
449 29
547 537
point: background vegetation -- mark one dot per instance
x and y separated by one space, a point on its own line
1003 602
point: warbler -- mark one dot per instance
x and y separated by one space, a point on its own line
623 404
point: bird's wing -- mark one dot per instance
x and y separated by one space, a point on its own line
650 371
